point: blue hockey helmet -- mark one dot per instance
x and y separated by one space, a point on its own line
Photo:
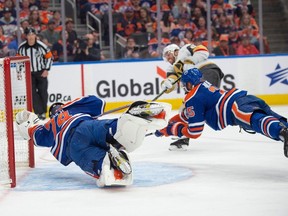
192 76
54 108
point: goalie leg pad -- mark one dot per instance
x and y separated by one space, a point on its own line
131 130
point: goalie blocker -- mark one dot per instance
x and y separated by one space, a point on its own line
114 167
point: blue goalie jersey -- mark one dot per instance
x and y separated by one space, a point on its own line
55 133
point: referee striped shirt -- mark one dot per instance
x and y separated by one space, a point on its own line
40 55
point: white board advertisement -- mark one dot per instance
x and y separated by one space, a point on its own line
64 83
120 81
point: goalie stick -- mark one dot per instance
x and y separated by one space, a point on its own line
128 105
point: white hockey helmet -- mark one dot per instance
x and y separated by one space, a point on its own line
171 48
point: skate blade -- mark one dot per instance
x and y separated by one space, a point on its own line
176 148
125 168
123 165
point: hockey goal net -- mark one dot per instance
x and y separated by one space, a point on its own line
15 95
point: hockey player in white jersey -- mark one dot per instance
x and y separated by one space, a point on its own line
184 58
100 147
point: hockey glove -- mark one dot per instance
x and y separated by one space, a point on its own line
24 121
173 129
167 85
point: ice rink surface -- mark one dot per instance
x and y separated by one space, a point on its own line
224 173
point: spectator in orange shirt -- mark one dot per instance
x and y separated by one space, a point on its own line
57 19
228 9
3 43
164 8
202 32
184 23
44 14
153 50
25 10
246 48
120 6
128 24
224 49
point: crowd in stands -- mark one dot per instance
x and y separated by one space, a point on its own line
233 26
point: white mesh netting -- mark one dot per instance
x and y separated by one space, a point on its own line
19 96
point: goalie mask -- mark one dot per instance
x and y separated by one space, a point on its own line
190 78
170 53
54 108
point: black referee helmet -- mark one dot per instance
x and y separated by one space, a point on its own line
30 30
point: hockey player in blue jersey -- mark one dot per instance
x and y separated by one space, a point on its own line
98 146
205 103
180 59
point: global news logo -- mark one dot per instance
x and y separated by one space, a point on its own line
278 76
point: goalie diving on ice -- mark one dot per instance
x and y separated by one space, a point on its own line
100 147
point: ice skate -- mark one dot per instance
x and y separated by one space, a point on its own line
284 134
120 160
179 145
112 177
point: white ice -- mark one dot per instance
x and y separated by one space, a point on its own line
223 173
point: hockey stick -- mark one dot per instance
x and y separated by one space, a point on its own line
150 134
128 105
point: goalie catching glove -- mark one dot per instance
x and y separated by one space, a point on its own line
144 109
24 121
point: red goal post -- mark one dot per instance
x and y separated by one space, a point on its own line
15 96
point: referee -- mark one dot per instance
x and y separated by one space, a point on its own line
41 61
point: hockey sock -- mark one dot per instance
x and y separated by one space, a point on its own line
266 125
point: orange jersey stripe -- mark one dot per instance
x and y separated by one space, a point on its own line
244 117
200 48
